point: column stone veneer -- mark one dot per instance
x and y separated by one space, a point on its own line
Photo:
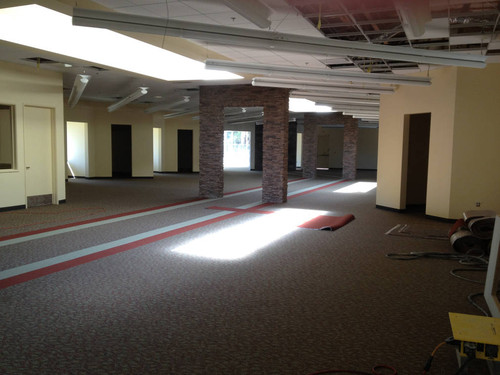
349 159
310 142
213 100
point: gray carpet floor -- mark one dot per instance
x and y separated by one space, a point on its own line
305 301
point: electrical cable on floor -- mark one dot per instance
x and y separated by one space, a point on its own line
428 364
463 258
454 273
375 371
473 258
471 298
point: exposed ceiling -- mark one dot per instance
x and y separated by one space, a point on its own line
440 25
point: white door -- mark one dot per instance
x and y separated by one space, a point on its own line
38 151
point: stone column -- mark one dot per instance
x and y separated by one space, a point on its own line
211 145
350 163
275 149
309 146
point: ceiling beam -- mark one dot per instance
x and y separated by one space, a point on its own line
268 39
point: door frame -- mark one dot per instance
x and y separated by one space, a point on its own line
53 152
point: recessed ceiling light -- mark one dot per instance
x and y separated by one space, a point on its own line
45 29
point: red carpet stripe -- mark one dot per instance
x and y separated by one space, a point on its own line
5 283
70 225
242 210
317 189
43 271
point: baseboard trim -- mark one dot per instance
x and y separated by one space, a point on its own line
12 208
443 219
117 178
389 208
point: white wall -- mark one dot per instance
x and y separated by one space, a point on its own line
99 136
25 86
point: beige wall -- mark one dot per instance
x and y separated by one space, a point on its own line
99 136
439 100
464 135
476 160
25 86
169 146
367 148
331 148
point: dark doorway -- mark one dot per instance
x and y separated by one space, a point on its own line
259 139
418 160
184 151
292 146
121 150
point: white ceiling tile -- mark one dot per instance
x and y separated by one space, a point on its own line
114 4
494 45
179 9
472 39
197 18
230 18
256 53
205 7
293 24
148 2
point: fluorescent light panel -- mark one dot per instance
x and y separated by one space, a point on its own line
304 105
328 74
269 39
352 108
79 85
324 86
38 27
333 100
166 106
359 113
130 98
180 113
335 94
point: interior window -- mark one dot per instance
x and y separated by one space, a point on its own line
6 137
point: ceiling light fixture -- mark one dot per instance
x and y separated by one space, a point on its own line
333 100
360 113
269 39
335 94
324 74
38 27
79 85
180 113
165 106
130 98
326 86
350 107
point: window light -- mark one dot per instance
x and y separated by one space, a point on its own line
45 29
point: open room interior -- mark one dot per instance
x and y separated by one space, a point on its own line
213 187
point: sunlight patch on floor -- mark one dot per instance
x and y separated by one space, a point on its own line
357 187
242 240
